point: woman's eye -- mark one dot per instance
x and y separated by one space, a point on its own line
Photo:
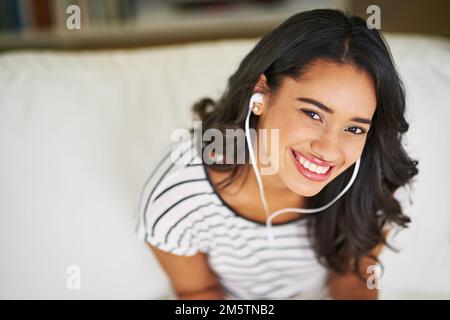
356 130
315 116
312 114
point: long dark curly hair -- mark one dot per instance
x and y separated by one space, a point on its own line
349 230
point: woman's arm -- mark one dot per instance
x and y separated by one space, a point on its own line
349 286
214 293
191 277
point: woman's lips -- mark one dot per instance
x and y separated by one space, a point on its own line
314 176
313 160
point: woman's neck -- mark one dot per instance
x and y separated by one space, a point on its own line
278 195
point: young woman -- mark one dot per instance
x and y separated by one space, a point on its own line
330 89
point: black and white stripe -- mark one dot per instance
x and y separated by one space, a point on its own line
182 213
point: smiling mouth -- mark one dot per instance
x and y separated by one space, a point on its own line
311 170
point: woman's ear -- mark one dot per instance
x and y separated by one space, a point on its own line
261 85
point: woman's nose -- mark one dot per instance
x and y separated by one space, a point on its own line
326 147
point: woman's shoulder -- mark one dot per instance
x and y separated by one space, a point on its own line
178 175
175 198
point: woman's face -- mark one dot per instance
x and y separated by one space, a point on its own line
323 119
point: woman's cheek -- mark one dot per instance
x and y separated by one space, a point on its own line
350 158
357 151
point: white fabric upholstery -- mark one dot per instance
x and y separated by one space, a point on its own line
79 134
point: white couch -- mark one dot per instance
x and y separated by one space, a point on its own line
80 131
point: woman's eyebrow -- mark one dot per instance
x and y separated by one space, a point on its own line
320 105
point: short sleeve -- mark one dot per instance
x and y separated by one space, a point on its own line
166 235
168 214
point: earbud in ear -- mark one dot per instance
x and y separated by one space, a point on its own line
256 103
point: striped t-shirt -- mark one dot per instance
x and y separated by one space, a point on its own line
181 212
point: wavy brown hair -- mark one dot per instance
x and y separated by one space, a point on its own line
352 227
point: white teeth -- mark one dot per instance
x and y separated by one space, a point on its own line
307 164
312 166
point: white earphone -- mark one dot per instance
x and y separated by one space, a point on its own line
259 98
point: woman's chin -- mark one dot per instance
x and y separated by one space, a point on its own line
308 193
304 190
